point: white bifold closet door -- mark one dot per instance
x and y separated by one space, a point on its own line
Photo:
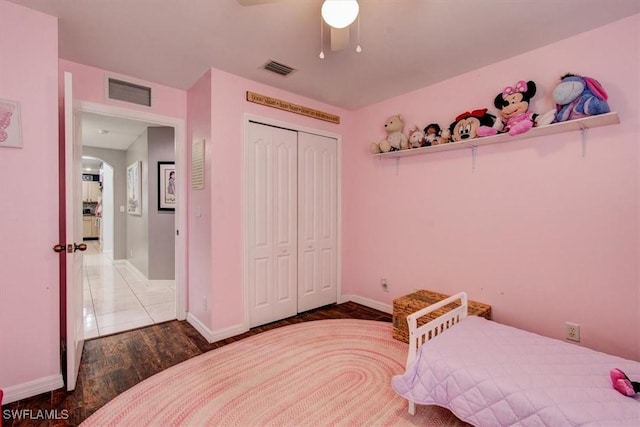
292 230
317 221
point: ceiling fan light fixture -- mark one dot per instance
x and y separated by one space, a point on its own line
340 13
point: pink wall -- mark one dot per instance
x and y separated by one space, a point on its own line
537 231
199 128
29 297
227 108
90 82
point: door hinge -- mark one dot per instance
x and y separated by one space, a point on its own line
177 232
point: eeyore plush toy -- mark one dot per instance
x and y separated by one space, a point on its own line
577 96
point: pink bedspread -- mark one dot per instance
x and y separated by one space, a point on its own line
490 374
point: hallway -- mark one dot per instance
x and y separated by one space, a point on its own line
118 298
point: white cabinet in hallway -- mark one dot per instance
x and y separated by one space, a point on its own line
291 185
90 227
91 191
86 227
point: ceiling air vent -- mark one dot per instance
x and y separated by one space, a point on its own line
129 92
278 68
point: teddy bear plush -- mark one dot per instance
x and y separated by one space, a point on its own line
472 124
395 140
578 96
513 103
416 137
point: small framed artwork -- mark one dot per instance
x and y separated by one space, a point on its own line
166 186
134 189
10 129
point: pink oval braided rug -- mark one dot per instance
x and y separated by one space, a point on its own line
319 373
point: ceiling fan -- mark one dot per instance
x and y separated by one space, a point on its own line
337 14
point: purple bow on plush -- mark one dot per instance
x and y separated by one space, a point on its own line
521 86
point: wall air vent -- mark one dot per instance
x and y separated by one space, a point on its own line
278 68
129 92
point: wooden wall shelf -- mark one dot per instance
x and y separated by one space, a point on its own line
562 127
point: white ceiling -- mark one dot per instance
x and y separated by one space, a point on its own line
110 132
407 44
107 132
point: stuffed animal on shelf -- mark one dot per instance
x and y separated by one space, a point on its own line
416 137
623 384
578 96
432 134
395 140
473 124
513 103
445 136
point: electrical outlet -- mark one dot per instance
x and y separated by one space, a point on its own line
572 331
384 285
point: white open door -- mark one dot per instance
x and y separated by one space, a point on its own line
73 194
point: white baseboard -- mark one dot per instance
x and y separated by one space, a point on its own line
32 388
213 336
200 327
232 331
229 332
162 282
130 266
386 308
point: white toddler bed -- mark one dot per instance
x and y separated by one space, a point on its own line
490 374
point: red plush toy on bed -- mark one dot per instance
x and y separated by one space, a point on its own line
623 384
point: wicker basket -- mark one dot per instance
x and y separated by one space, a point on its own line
404 306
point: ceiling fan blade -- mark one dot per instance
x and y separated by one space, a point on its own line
339 38
254 2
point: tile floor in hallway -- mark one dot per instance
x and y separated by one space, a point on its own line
118 298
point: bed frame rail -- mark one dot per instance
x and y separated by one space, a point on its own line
418 335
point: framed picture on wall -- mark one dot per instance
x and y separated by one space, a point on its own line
10 129
166 186
134 189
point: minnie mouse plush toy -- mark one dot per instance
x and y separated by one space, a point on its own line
513 103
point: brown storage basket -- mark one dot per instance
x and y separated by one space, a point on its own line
404 306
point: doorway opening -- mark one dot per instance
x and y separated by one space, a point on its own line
119 294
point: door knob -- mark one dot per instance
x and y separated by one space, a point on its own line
79 247
59 248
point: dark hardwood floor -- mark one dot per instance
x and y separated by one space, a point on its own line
112 364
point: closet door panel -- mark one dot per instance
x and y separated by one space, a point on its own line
317 218
261 274
261 206
307 269
328 270
271 178
285 224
